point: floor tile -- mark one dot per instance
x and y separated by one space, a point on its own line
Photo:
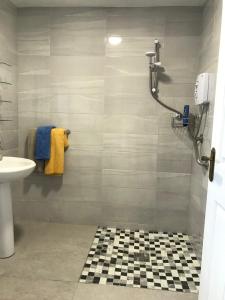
107 292
142 259
54 265
33 237
47 251
23 289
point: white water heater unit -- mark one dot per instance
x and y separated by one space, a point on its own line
202 89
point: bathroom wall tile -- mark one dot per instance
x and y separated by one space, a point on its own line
180 63
36 210
31 83
77 104
181 46
136 85
174 159
129 105
125 24
9 139
131 46
168 200
171 220
13 124
30 102
179 75
175 165
8 32
83 178
184 14
86 86
129 179
130 124
177 89
116 160
126 66
167 182
66 42
174 139
82 159
69 66
86 140
184 28
139 12
33 32
77 32
124 215
45 189
129 197
81 213
130 142
33 65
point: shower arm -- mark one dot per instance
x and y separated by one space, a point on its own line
154 94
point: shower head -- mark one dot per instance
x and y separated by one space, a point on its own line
150 54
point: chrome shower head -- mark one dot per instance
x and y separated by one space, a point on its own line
150 54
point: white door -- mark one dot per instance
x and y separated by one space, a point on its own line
213 261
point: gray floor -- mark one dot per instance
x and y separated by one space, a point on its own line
48 261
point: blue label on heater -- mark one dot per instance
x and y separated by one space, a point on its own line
186 115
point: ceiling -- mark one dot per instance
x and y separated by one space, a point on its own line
105 3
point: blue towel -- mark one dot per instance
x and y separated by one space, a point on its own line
43 142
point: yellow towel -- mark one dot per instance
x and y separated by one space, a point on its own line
59 143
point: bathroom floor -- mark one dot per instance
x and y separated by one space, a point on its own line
142 259
48 263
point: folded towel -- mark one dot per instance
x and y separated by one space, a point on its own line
30 150
43 141
59 143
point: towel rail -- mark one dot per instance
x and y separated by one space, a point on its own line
67 131
5 63
4 82
5 101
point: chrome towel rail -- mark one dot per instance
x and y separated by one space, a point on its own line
5 63
8 83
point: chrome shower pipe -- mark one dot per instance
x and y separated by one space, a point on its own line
154 65
154 93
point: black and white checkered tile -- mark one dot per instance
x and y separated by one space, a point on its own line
142 259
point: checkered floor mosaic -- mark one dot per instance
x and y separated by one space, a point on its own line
142 259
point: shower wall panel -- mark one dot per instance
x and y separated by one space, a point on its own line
125 165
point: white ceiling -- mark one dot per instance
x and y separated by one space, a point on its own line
106 3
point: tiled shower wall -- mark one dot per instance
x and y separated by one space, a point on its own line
8 111
125 164
208 63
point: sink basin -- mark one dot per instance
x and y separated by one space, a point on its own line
11 168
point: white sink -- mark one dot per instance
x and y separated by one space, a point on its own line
11 168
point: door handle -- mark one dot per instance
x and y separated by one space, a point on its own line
211 163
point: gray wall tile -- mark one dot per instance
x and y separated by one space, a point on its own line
125 165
